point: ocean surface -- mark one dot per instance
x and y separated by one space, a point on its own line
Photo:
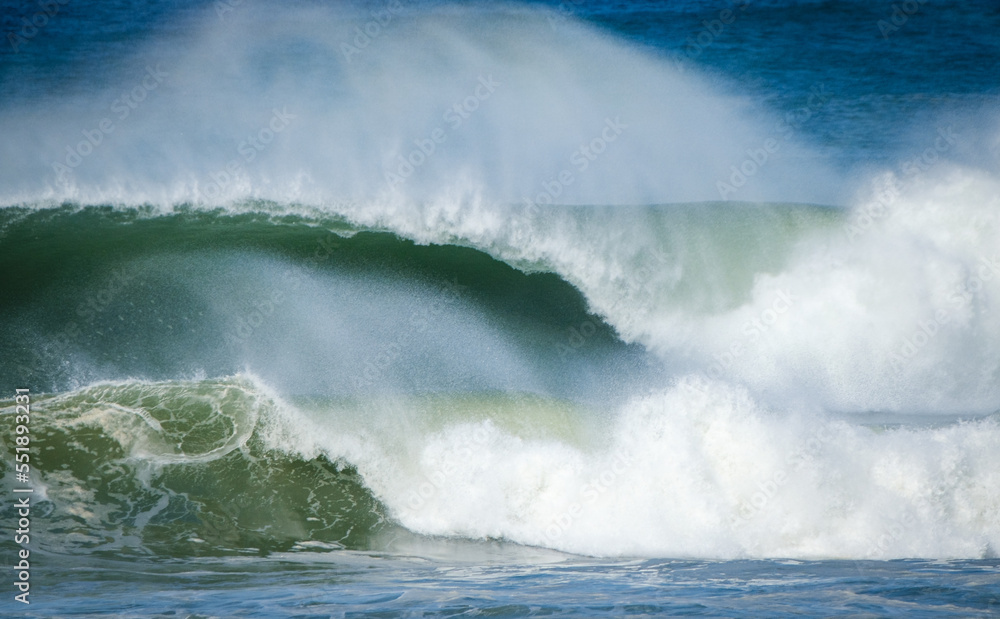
413 308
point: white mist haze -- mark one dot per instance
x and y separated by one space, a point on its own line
485 106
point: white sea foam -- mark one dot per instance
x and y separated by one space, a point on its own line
769 325
698 470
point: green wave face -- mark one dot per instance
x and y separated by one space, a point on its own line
602 381
104 293
326 344
217 466
180 468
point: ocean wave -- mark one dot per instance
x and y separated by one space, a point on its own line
696 470
485 277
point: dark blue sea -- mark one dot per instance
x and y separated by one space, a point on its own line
410 308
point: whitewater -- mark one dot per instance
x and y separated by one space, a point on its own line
491 275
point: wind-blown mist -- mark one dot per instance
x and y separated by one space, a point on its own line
519 279
456 106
